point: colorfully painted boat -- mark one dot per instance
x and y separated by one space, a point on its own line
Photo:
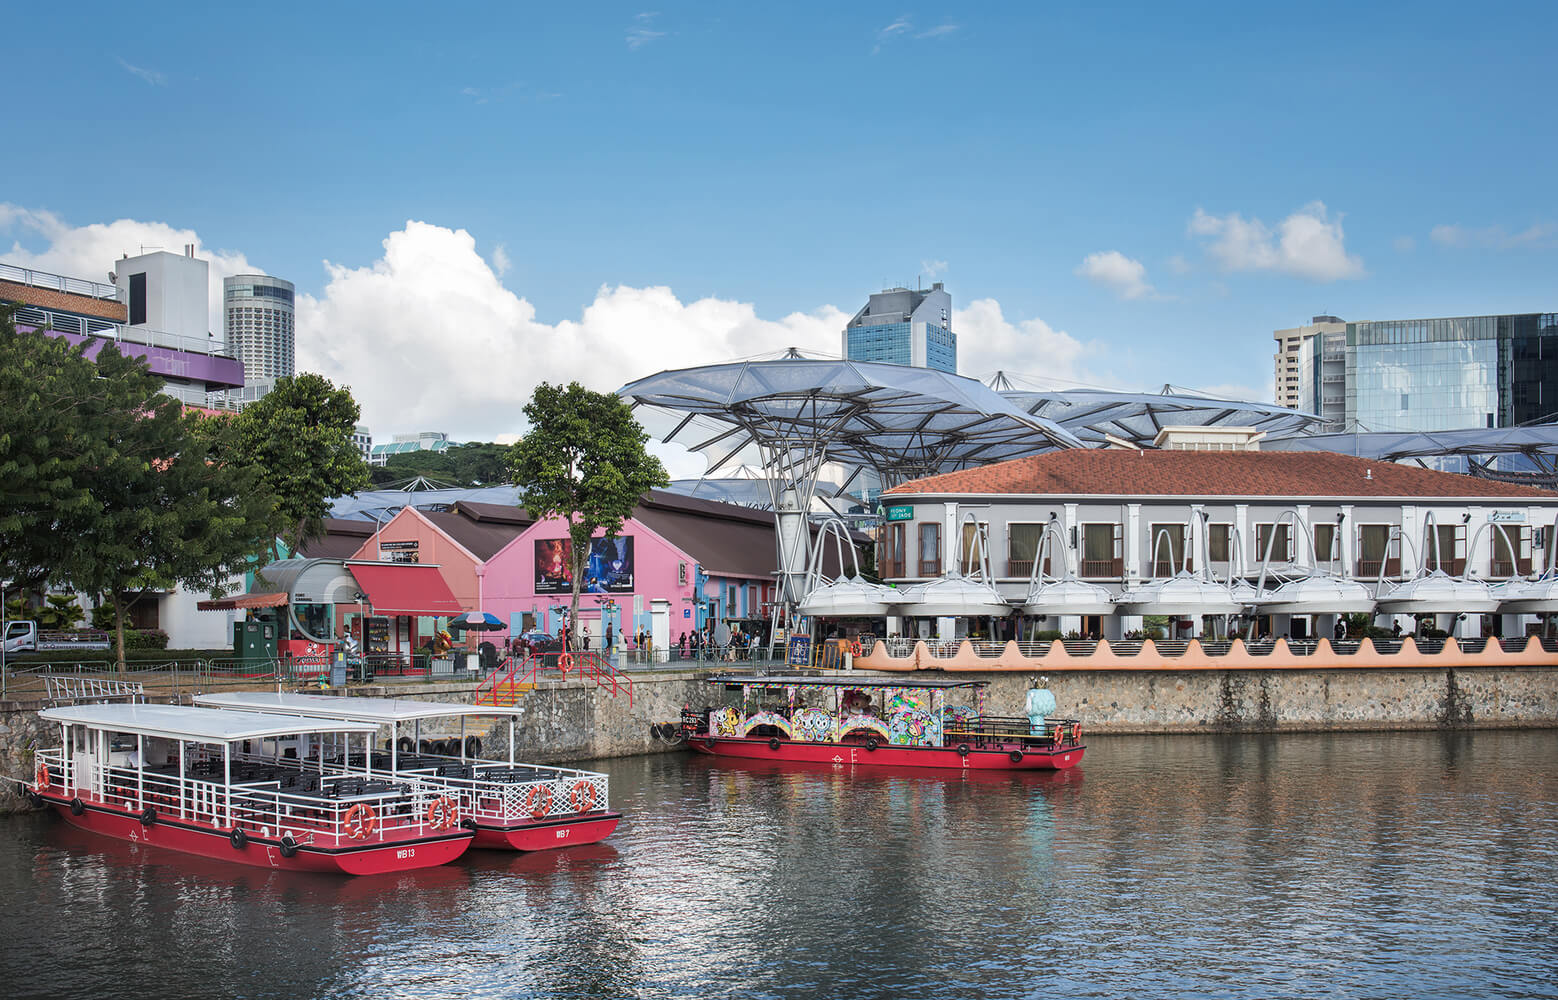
511 806
879 721
239 787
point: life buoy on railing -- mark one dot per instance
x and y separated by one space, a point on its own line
565 661
42 776
360 821
582 796
539 802
854 647
442 813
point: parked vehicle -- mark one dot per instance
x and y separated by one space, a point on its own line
25 637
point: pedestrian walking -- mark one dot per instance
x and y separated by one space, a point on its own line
586 646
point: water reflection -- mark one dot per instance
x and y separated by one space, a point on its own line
1272 865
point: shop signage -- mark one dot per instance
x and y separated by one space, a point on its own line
903 512
410 546
1507 517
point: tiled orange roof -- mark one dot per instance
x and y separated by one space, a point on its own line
1111 472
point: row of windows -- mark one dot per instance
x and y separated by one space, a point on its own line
1101 549
259 291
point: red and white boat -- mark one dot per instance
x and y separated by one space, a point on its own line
249 789
885 721
511 806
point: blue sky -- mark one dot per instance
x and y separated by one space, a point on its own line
1136 193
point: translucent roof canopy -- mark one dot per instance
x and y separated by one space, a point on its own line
1318 595
1539 440
848 597
1137 417
791 415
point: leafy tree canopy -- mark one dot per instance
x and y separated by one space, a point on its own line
298 438
583 460
474 464
119 493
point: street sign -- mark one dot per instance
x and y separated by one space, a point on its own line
903 512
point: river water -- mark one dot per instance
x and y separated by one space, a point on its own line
1345 865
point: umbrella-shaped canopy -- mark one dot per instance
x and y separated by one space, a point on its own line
1528 597
952 596
1068 597
849 597
1318 595
477 621
1438 593
1182 594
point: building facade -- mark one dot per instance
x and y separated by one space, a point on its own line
904 326
1129 517
258 314
1422 375
405 444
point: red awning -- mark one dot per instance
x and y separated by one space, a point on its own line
243 601
405 589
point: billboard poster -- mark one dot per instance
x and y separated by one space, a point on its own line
608 571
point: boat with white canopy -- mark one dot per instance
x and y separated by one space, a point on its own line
251 789
510 806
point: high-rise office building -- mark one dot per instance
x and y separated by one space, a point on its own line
258 313
1413 375
905 326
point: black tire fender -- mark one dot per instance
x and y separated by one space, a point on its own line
406 744
77 807
148 816
1016 756
289 846
871 743
962 749
238 839
473 746
710 743
773 743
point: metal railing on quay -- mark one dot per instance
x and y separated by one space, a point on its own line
60 283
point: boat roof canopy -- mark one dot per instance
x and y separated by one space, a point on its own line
380 711
784 680
201 725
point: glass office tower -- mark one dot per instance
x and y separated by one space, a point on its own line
905 326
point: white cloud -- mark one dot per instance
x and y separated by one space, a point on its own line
500 259
429 338
1404 244
898 27
988 342
90 251
1306 244
640 33
1179 265
1113 269
933 268
151 76
1494 237
939 31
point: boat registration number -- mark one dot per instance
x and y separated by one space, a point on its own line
409 852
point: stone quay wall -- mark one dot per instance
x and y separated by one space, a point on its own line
566 721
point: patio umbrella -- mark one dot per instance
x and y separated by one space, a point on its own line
477 621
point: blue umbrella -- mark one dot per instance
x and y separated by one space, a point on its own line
480 621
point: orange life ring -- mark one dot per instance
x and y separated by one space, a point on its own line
564 661
360 821
539 802
582 795
442 813
854 647
42 776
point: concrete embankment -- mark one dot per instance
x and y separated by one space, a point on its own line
564 721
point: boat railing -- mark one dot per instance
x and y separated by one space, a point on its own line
336 809
994 729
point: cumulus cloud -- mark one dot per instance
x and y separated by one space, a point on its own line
988 341
1114 270
429 338
1494 237
1307 244
90 251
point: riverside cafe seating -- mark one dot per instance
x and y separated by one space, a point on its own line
510 806
250 789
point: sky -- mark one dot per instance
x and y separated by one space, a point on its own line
475 198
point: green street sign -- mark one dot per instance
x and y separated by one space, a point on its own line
903 513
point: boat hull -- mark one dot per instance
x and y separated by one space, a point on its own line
991 758
549 834
367 857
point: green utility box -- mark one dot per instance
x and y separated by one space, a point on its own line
254 640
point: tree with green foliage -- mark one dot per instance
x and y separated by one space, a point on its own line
474 464
583 460
298 438
119 493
